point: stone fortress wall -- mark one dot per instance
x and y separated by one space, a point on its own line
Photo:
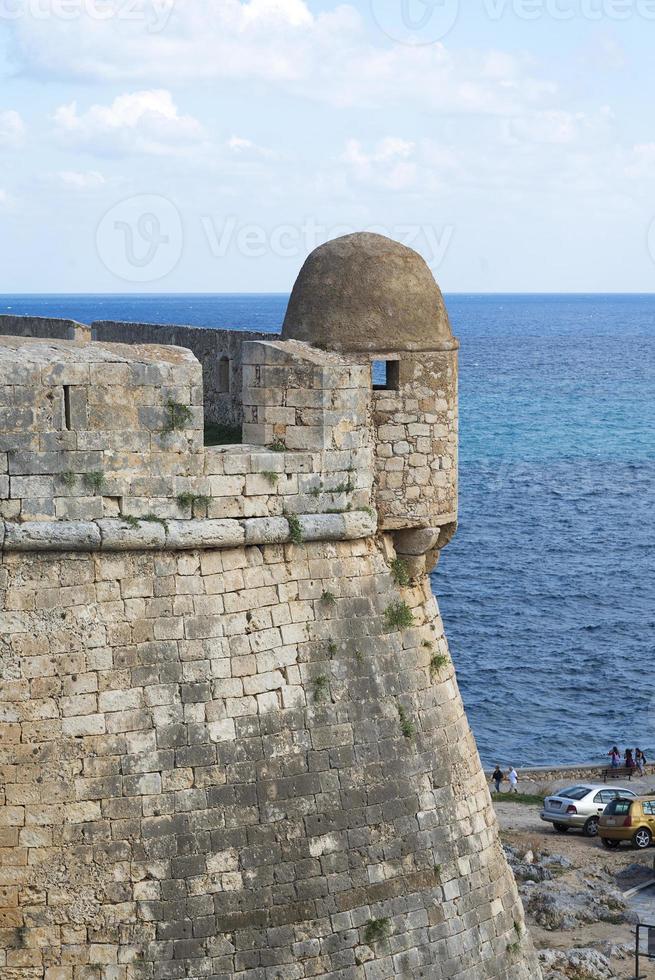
232 740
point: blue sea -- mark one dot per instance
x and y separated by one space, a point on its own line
548 589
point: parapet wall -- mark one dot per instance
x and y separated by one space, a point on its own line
219 352
46 328
91 432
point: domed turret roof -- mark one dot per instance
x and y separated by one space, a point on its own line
365 292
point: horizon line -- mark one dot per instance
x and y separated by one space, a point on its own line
445 292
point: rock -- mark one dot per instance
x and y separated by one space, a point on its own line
524 866
571 903
618 951
576 964
556 860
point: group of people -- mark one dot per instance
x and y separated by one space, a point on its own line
636 760
512 777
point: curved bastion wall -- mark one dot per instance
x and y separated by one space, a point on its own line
232 740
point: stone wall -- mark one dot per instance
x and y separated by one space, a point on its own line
415 438
95 432
219 352
85 429
241 764
48 328
231 740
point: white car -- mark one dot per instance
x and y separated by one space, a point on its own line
581 806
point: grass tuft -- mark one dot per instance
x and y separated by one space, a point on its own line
68 479
277 446
94 481
321 688
407 726
376 930
527 799
329 598
192 500
154 519
438 662
400 572
295 528
130 520
398 616
179 416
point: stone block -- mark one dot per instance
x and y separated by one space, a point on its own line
52 536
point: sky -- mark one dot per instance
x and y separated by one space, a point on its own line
209 145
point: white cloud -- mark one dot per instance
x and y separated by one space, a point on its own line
387 164
240 146
327 56
81 181
137 122
557 126
12 130
641 161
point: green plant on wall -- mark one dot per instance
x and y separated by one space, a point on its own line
407 726
179 416
321 688
376 930
94 481
295 528
400 572
192 500
398 616
438 662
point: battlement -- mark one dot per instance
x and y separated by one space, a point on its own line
92 430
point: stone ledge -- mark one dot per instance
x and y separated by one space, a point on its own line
114 534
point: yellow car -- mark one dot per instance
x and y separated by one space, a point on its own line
631 820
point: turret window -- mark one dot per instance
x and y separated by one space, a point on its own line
385 375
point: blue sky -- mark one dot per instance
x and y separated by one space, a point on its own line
198 145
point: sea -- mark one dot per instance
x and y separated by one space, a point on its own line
548 589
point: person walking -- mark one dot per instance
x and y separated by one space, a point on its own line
615 757
640 761
629 760
513 777
497 777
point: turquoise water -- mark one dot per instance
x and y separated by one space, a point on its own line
548 589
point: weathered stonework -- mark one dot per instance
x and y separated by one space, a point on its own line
232 740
